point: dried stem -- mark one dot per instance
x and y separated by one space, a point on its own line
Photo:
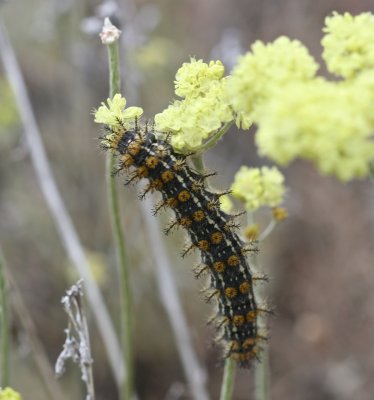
77 343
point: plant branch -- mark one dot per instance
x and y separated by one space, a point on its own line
126 389
227 387
215 138
267 231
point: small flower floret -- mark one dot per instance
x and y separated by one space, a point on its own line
258 187
114 114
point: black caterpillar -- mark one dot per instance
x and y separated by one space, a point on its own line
211 230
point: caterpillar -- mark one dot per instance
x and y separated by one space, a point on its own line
197 209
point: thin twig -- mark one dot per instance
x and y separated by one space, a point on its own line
54 201
126 389
195 374
268 230
216 137
77 343
4 325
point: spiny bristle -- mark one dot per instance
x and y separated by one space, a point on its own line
200 270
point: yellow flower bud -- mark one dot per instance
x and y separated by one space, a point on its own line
252 232
280 213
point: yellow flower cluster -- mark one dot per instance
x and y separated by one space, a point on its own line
349 43
115 115
202 111
300 115
194 78
9 394
266 67
258 187
325 122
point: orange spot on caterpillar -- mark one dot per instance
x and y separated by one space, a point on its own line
134 148
167 176
244 357
231 292
251 316
248 343
203 245
126 160
198 215
142 172
219 266
238 320
152 162
184 196
244 287
216 237
233 261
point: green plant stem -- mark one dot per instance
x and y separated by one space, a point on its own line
114 69
126 389
214 139
198 162
267 231
4 326
262 375
227 387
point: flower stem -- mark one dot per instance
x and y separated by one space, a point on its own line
214 139
267 231
4 326
262 375
227 387
126 389
198 162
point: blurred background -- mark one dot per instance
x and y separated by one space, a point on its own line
320 259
